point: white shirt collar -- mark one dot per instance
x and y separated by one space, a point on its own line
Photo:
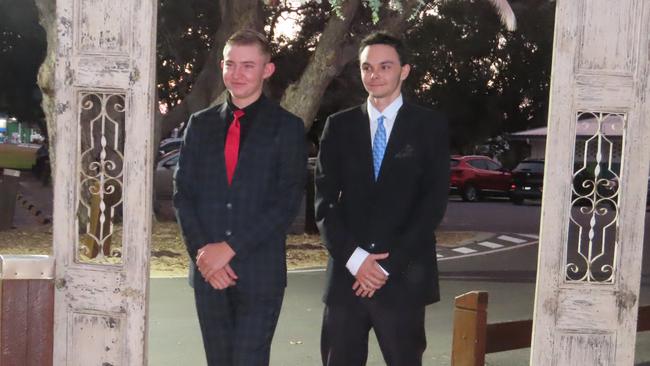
389 113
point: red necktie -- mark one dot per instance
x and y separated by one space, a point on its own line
231 150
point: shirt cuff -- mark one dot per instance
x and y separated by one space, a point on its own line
356 259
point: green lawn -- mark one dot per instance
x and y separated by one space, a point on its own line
16 156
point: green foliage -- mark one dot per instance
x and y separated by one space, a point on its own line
486 80
375 7
22 50
291 54
186 32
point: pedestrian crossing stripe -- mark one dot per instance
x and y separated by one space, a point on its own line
496 243
512 239
464 250
490 245
531 236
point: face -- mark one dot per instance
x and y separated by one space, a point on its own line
244 68
381 72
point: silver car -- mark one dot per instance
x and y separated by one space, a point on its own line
164 176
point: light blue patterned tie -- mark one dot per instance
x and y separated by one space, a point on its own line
379 146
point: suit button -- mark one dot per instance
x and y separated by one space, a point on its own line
229 205
372 246
228 232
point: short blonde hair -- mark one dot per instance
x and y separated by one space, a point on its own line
247 37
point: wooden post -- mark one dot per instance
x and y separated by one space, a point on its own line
26 310
8 192
470 324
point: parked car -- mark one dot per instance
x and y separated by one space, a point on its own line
170 144
527 181
475 176
528 178
164 175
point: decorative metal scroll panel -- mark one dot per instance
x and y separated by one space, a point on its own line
101 118
592 248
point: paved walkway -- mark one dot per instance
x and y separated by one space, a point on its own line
175 337
34 202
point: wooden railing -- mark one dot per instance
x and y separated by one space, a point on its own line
473 337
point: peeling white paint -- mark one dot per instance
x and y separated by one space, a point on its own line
101 309
599 65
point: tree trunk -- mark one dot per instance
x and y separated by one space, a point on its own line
208 87
396 22
303 98
47 19
334 51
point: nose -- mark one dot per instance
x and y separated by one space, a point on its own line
236 72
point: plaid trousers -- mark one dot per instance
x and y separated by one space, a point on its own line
237 327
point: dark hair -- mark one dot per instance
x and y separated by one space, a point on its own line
385 38
247 37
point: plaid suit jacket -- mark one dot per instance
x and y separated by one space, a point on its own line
254 213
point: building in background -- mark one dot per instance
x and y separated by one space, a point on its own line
16 132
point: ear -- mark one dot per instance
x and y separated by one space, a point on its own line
269 69
406 69
221 63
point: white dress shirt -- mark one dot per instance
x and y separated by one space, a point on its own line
389 113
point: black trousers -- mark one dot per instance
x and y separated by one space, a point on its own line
237 327
399 329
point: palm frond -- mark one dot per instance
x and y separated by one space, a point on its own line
505 12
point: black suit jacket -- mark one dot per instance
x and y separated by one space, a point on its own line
396 214
254 213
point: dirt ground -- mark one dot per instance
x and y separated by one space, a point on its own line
168 255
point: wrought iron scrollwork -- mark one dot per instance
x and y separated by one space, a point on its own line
594 221
101 117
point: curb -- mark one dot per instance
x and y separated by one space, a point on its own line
38 214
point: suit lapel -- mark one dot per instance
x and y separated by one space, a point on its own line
220 140
364 148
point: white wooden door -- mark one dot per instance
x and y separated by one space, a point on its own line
104 83
593 208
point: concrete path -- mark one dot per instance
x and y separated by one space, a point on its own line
174 337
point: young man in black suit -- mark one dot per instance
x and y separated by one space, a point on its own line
239 183
382 181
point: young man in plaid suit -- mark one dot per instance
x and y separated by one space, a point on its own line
239 183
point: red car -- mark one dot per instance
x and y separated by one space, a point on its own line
475 176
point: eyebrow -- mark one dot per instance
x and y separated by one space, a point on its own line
387 62
243 62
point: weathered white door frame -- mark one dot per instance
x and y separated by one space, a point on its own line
104 80
587 288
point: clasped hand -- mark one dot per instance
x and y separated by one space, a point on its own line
370 276
213 261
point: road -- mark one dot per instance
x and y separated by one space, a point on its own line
500 216
496 215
